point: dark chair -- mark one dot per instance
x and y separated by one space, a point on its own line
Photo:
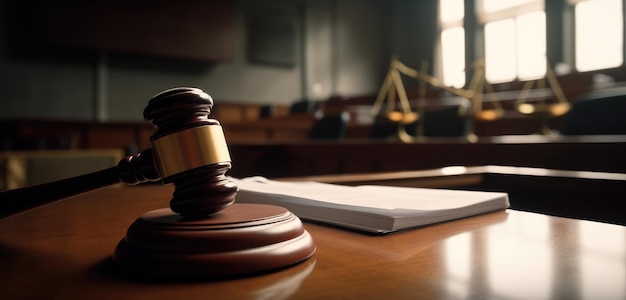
330 127
266 111
303 106
598 112
382 129
445 122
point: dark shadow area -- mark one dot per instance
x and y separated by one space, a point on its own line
158 64
580 198
597 113
25 35
44 31
109 269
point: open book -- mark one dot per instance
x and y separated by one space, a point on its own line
371 208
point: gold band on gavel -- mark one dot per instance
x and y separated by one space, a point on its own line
189 149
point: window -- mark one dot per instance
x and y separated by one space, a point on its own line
511 37
598 34
496 5
452 39
514 39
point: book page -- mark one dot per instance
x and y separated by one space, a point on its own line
379 197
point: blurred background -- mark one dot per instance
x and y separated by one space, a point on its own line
76 75
102 60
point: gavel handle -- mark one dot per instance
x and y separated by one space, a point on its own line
130 170
21 199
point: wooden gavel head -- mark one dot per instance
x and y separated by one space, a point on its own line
188 150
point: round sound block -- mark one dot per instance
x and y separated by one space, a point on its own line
242 239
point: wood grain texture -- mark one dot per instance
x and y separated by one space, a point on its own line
61 251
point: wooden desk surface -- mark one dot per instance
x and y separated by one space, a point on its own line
61 251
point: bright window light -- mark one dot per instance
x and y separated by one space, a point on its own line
453 53
531 45
500 53
451 10
452 45
599 34
496 5
516 48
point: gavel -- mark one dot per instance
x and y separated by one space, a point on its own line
188 150
203 233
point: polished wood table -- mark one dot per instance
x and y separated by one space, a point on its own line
63 250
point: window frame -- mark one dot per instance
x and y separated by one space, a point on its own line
572 56
441 27
484 17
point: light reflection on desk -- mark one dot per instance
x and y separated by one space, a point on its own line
520 259
502 255
602 262
287 285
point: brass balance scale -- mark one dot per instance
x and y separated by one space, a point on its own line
472 104
542 109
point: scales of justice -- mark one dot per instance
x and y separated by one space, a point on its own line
471 106
204 233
